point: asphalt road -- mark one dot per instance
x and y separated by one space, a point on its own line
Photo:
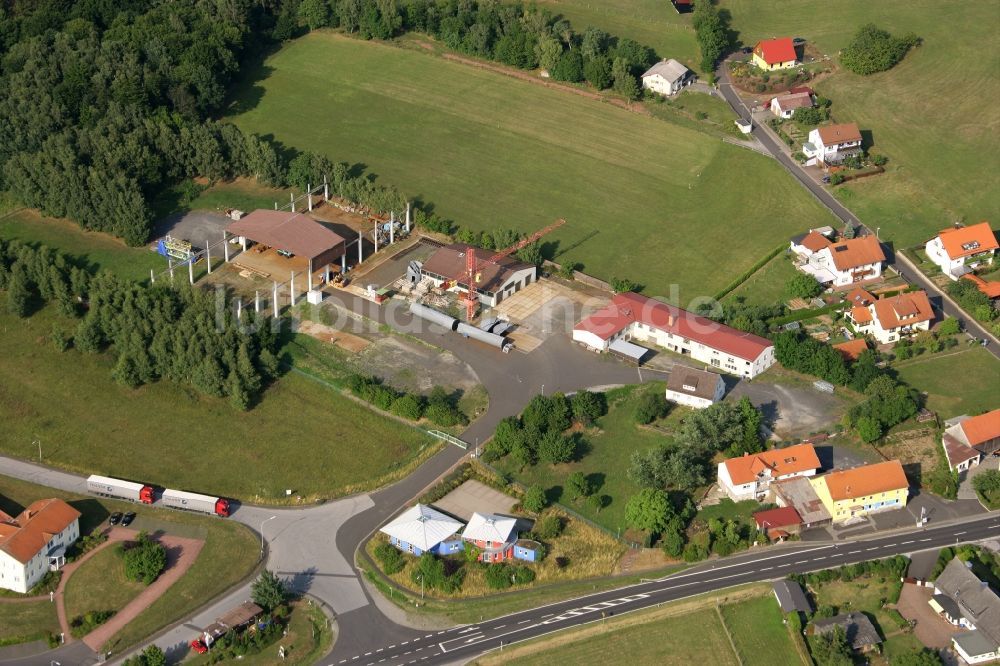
909 271
465 642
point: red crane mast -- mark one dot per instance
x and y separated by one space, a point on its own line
472 270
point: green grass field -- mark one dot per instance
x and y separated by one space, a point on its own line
650 22
491 151
301 436
767 286
759 633
606 458
29 621
100 585
964 383
228 556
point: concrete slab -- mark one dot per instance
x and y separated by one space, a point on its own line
474 497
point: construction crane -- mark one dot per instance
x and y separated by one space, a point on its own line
472 275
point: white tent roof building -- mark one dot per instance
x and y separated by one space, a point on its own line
422 526
489 528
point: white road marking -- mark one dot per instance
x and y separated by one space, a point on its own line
957 533
500 627
367 653
869 549
853 552
925 539
906 542
524 621
766 569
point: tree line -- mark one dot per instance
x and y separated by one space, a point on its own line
156 332
522 36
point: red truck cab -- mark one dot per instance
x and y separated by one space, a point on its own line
222 507
146 495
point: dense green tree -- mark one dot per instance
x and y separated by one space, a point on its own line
650 406
534 499
578 486
554 448
548 51
624 82
597 71
803 285
588 406
921 657
315 13
648 510
875 50
18 293
144 560
712 34
268 591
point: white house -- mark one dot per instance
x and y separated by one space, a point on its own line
35 542
749 476
784 106
495 280
965 601
667 77
960 250
839 263
630 316
830 144
967 439
694 388
891 319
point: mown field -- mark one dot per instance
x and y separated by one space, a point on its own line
933 115
967 382
643 198
301 436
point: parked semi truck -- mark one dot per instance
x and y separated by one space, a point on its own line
179 499
126 490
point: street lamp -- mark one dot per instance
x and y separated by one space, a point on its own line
876 233
262 534
38 443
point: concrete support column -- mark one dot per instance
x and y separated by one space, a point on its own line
275 205
256 302
291 197
310 195
170 267
152 278
407 217
191 269
274 299
309 278
208 258
376 236
361 242
291 290
326 274
225 245
392 228
239 310
243 243
326 189
343 261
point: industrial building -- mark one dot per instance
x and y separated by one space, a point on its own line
750 476
496 278
35 542
630 316
860 491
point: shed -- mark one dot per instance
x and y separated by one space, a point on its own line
790 597
628 351
296 233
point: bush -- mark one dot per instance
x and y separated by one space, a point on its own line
390 558
837 178
534 499
879 160
556 448
875 50
622 285
81 625
695 552
803 286
408 406
649 407
548 528
808 116
587 407
144 560
950 326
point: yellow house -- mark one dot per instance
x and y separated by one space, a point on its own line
772 54
863 490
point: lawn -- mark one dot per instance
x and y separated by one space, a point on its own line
100 585
652 23
439 130
767 286
90 248
606 457
932 114
759 633
302 436
228 556
29 621
863 594
967 382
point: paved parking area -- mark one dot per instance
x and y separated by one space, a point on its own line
547 308
198 226
930 629
474 497
791 411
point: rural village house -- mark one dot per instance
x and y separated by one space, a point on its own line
830 144
630 316
694 388
893 318
772 54
960 250
967 439
861 633
667 77
35 542
421 529
859 491
784 106
838 263
749 476
965 601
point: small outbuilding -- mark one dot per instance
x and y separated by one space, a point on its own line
790 597
694 388
778 523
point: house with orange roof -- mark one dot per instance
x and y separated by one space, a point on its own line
890 319
960 250
967 439
750 476
860 491
35 542
831 144
989 288
772 54
838 263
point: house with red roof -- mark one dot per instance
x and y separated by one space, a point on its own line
778 523
772 54
35 542
967 439
831 144
750 476
838 263
960 250
630 316
895 317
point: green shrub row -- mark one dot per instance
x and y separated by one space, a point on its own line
749 272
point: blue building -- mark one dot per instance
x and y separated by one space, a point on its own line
421 529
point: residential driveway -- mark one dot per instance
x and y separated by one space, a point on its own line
475 497
930 629
965 490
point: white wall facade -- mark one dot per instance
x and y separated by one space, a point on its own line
694 401
22 577
888 336
951 267
846 277
754 489
660 85
829 153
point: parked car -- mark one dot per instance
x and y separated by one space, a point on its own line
128 518
826 179
198 646
115 518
